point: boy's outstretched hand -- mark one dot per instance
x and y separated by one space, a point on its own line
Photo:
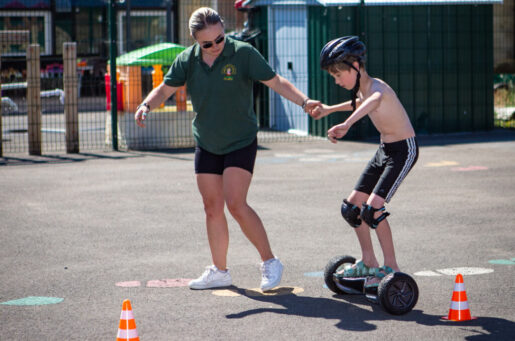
337 132
320 111
310 105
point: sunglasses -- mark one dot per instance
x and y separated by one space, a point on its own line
210 44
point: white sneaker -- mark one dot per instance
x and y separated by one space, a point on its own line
271 274
211 278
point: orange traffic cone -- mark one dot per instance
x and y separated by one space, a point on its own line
127 329
459 310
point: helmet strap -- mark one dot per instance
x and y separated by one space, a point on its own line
354 90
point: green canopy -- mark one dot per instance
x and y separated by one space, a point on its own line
162 54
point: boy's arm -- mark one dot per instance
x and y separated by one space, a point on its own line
325 110
345 106
369 105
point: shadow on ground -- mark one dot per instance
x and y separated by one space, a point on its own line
345 309
64 158
187 154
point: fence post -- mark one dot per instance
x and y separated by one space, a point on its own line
111 10
34 99
1 114
71 114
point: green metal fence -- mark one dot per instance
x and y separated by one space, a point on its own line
439 60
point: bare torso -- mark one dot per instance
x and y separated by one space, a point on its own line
390 117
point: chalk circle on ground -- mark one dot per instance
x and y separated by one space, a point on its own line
128 284
168 283
34 300
256 292
465 271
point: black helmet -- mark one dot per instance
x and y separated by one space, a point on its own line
343 50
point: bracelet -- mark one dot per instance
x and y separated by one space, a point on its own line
304 102
144 104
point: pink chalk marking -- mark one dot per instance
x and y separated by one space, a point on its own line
468 169
168 283
129 284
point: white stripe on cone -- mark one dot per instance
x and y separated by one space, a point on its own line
459 287
126 315
127 334
459 305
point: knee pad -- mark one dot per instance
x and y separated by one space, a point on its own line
350 213
367 214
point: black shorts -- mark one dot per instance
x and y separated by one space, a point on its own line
206 162
389 166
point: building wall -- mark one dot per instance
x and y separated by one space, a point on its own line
504 37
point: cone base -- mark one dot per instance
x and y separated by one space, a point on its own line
452 320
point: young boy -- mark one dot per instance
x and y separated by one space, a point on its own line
344 59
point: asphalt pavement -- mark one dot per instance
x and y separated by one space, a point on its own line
82 232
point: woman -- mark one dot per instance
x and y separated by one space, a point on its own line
219 73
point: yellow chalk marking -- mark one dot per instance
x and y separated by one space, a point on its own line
441 164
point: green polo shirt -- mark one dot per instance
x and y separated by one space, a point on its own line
221 95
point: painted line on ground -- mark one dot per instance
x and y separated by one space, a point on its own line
34 300
157 283
128 284
168 283
502 261
469 169
466 271
427 273
442 163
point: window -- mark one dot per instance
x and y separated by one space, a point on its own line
147 28
38 23
88 27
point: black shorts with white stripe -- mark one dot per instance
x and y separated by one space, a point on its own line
389 166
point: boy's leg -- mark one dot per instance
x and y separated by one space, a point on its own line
400 156
236 182
384 233
211 189
363 232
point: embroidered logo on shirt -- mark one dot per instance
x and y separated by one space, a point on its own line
229 71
